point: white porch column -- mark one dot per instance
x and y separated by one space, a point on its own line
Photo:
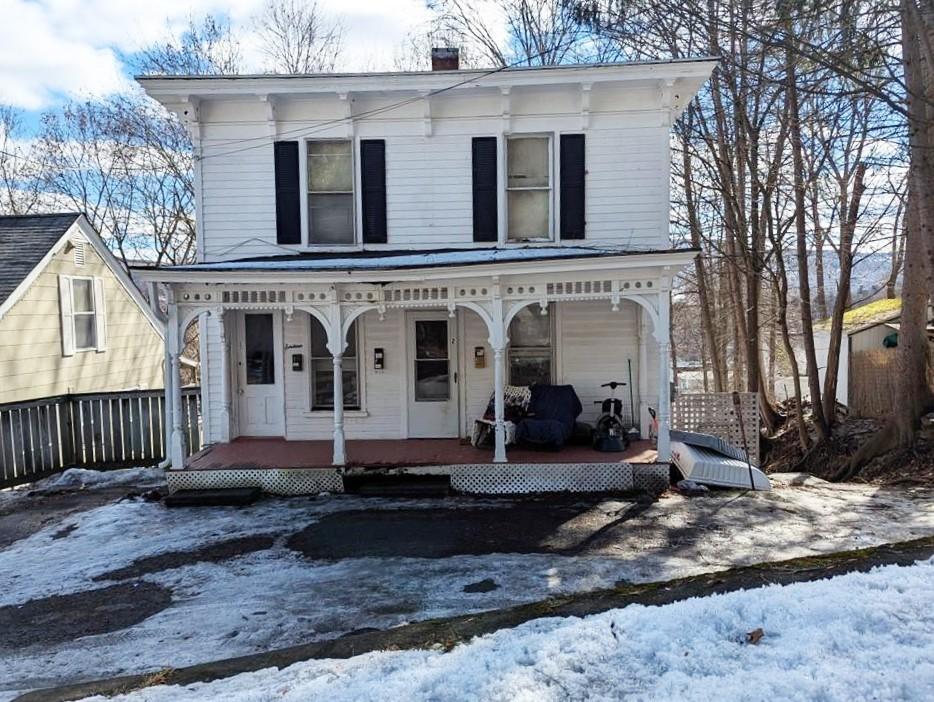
663 336
498 343
337 343
174 396
340 457
224 433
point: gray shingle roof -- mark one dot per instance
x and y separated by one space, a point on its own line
24 240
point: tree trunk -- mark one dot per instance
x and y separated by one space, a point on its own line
708 336
807 325
847 230
914 392
821 300
898 252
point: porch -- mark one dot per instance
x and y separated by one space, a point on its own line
283 467
386 361
372 454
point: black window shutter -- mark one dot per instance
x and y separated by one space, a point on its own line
485 219
572 186
288 193
373 183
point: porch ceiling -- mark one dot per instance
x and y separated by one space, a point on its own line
386 453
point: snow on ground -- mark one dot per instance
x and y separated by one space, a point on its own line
277 597
84 479
861 636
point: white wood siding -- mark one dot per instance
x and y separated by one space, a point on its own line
429 188
32 364
381 416
592 347
594 344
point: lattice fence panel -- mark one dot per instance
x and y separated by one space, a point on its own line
714 413
287 481
528 478
651 478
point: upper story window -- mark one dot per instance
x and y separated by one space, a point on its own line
84 313
83 316
330 192
528 187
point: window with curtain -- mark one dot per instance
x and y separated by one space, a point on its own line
528 187
330 192
531 351
321 367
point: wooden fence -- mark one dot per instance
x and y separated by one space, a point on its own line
101 431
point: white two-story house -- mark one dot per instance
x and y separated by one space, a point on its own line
381 256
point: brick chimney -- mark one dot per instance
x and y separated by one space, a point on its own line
445 59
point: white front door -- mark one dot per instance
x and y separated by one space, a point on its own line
259 366
432 375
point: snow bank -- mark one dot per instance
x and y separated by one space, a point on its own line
83 478
859 636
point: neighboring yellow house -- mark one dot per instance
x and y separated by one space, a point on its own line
71 320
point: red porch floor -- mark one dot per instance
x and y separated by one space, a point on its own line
385 453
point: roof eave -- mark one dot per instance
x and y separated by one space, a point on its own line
673 260
170 88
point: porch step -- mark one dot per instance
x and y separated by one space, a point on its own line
220 497
398 485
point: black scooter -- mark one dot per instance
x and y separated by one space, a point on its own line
610 434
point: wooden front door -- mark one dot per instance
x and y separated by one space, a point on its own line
432 376
259 366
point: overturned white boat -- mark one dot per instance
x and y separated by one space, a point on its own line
709 460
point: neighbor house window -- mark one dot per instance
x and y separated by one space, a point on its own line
84 314
528 187
530 347
330 192
322 369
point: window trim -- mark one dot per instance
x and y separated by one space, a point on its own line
305 211
505 189
75 314
552 340
349 410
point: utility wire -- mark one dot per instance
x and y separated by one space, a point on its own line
309 131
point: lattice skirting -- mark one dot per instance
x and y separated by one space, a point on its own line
475 479
526 478
275 481
652 478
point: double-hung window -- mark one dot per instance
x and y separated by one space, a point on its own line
530 347
528 187
84 313
330 192
322 369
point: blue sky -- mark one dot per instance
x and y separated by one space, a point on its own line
53 50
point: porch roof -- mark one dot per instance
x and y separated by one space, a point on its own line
377 261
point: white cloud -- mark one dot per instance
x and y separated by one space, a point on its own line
55 48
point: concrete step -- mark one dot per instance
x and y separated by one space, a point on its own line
398 485
221 497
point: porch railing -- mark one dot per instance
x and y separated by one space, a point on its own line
102 431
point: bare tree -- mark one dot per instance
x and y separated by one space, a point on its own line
537 32
297 37
19 192
206 47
